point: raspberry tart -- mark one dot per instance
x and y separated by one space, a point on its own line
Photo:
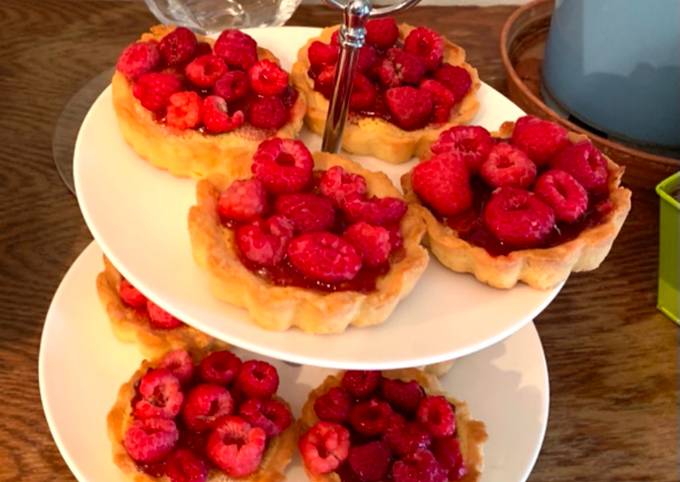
365 426
209 418
193 105
411 84
315 242
532 203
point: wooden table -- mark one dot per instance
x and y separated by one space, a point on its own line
612 357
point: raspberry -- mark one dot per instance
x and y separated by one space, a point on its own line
403 396
219 367
238 49
420 466
506 165
518 217
363 93
370 462
267 113
324 256
289 96
333 406
324 447
272 416
243 200
436 415
411 107
161 395
361 383
232 86
378 211
202 48
283 165
206 403
216 119
472 143
454 78
586 163
539 138
367 58
138 58
407 438
442 100
443 183
154 89
180 364
373 243
324 80
309 212
178 47
184 110
448 454
400 67
426 44
321 54
205 70
264 242
337 184
382 33
267 78
130 295
396 239
280 226
184 466
150 440
563 193
257 379
236 447
371 417
161 319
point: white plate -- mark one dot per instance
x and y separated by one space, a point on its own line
138 214
82 365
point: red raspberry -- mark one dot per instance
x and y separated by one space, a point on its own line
184 466
180 364
518 217
472 143
150 440
154 89
232 86
563 193
216 119
443 183
448 454
324 447
454 78
427 44
184 110
321 54
138 58
264 242
204 71
539 138
309 212
442 99
400 67
236 447
407 438
203 48
403 396
586 163
272 416
396 238
361 383
283 165
337 184
506 165
382 33
267 113
161 319
420 466
238 49
363 93
373 243
324 80
130 295
257 379
219 367
267 78
324 257
411 107
160 395
437 416
371 417
370 462
289 96
206 403
243 200
333 406
382 211
178 47
367 58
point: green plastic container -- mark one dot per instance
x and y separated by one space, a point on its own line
669 247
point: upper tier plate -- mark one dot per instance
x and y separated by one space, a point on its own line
138 214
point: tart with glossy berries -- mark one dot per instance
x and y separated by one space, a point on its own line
411 83
194 105
368 426
209 417
533 203
313 241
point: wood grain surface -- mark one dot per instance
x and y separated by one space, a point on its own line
612 357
